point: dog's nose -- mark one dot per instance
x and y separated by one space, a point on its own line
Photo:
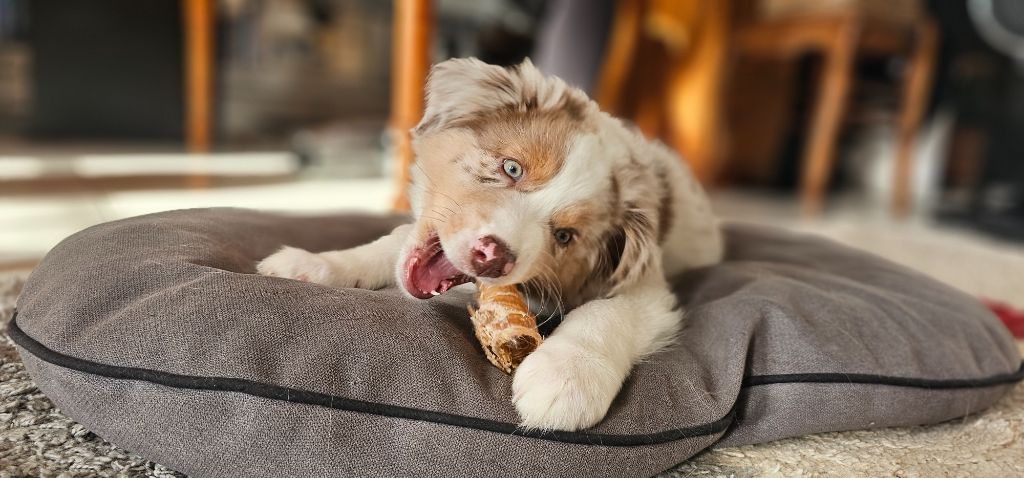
491 257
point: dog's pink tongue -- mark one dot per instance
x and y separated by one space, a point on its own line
433 276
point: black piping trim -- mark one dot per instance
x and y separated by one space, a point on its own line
275 392
864 378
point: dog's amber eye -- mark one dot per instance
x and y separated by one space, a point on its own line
564 236
512 168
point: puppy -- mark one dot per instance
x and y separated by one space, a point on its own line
521 179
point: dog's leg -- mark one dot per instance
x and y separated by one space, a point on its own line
569 382
370 266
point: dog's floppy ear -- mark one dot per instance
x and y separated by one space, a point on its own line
631 247
456 89
462 89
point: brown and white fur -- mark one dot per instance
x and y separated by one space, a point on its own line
632 210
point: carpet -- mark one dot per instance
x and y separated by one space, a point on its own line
37 440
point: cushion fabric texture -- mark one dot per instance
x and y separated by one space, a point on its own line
156 333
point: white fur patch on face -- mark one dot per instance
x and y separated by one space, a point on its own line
523 221
585 174
415 189
517 224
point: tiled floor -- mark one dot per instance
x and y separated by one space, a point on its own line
85 189
31 225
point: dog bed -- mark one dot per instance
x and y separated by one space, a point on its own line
155 333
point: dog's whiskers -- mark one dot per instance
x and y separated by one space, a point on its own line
439 213
450 210
442 221
434 185
433 208
548 285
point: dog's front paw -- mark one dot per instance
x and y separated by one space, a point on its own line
294 263
564 387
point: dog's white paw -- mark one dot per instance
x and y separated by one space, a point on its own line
564 387
295 263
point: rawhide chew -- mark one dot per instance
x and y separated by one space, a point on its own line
503 324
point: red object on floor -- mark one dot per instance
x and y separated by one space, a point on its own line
1012 318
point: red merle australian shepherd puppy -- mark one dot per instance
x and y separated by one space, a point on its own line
520 179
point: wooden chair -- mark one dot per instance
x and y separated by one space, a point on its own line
840 40
671 86
685 106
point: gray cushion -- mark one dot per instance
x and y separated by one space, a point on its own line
155 333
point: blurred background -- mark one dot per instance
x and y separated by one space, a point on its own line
892 126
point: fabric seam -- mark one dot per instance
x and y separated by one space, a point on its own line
276 392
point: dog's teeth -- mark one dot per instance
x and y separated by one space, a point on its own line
435 293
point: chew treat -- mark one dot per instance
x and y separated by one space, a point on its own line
504 326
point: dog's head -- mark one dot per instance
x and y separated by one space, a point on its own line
520 179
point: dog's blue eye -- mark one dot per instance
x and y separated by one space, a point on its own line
512 168
564 236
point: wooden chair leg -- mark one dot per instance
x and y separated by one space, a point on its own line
649 111
833 92
412 27
620 56
694 90
916 88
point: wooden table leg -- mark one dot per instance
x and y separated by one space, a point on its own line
833 92
198 26
410 63
916 88
198 18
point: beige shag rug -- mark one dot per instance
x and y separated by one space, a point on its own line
989 444
36 439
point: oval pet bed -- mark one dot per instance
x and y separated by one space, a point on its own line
155 333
